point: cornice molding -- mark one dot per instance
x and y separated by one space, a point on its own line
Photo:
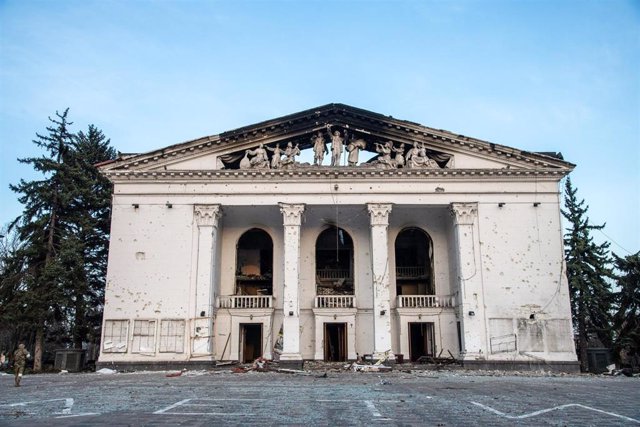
332 173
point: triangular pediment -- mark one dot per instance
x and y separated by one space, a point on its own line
366 140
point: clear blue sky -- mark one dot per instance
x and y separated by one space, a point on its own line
536 75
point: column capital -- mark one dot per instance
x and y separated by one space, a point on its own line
379 213
464 213
207 215
291 213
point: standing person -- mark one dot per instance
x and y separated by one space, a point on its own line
3 360
19 360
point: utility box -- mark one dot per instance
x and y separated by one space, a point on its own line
69 359
598 359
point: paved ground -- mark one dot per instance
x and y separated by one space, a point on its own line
451 398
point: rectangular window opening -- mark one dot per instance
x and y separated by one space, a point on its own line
172 336
144 336
115 336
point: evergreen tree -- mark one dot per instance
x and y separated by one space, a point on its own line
627 317
13 324
588 272
42 226
63 232
91 235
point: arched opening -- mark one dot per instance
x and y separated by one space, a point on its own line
254 263
414 263
334 262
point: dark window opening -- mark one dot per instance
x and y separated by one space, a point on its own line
414 263
334 262
254 263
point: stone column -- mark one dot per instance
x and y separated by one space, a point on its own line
206 217
470 292
379 215
292 219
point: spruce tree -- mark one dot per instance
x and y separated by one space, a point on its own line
58 280
91 234
588 273
42 228
627 317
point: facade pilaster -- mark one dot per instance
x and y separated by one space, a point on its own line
207 218
379 217
470 292
292 219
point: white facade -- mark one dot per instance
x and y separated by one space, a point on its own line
214 259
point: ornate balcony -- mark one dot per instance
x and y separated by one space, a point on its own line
335 301
245 301
410 272
426 301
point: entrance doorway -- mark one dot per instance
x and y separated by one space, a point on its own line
250 341
335 342
421 340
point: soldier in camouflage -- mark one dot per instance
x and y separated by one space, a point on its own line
19 360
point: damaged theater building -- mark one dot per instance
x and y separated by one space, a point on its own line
334 233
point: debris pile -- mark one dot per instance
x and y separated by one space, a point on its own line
439 360
263 365
361 366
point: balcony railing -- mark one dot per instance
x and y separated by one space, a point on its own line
335 301
326 273
245 301
403 272
426 301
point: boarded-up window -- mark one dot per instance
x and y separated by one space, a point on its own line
115 336
144 336
502 339
172 336
559 336
530 335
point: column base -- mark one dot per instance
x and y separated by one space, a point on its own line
291 364
290 357
382 355
473 356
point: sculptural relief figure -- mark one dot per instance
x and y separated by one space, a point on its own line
290 154
319 149
399 158
417 158
245 163
276 158
259 159
385 155
354 148
337 145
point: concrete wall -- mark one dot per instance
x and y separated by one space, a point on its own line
152 251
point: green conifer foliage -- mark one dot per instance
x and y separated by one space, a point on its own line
588 272
627 317
57 277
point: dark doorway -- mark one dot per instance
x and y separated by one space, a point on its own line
250 341
335 342
421 340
